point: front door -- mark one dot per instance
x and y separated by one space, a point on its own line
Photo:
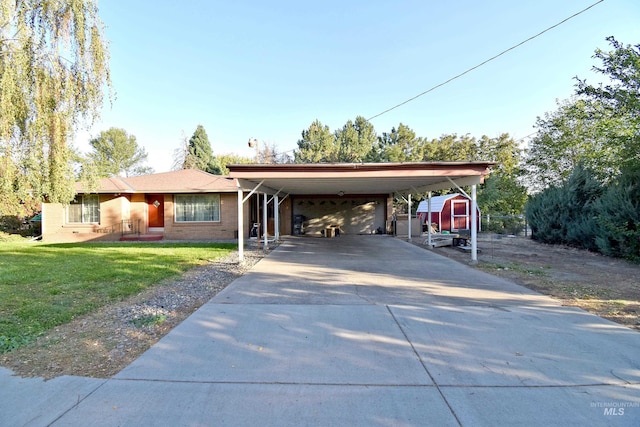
155 207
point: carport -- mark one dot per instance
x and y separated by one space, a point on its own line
279 181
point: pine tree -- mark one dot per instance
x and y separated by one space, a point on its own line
618 217
199 153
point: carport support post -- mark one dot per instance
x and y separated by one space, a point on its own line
240 225
429 221
264 221
276 217
474 225
409 215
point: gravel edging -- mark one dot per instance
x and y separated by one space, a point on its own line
102 343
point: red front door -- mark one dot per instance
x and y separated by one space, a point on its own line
155 203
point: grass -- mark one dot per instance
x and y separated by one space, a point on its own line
46 285
148 320
515 266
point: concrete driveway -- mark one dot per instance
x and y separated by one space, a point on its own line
360 330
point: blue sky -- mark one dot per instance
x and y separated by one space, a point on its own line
267 70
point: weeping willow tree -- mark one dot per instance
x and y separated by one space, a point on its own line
53 72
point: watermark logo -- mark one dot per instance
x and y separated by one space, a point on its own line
615 408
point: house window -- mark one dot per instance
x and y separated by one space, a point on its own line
84 209
197 207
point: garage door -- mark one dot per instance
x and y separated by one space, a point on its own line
354 215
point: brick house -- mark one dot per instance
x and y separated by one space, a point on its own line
185 204
289 199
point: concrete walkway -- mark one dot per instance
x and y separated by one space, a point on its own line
359 330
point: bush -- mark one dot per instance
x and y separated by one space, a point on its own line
10 224
543 214
504 224
566 214
581 191
35 229
584 214
618 221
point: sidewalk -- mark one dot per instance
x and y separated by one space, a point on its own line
360 330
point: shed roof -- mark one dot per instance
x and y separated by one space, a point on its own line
437 203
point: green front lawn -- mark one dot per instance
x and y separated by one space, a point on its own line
45 285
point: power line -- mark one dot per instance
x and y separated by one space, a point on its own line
485 62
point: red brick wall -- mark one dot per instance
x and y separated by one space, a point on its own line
226 228
116 208
55 227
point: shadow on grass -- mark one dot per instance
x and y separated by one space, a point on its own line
46 285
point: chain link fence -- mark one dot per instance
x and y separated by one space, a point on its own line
515 225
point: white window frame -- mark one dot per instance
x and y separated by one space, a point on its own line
187 208
89 209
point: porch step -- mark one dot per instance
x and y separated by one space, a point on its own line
141 238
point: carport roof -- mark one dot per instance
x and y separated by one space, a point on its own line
358 178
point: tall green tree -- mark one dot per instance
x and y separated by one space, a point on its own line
231 159
599 128
502 192
399 145
577 133
53 69
451 148
199 155
621 97
503 150
355 140
116 153
317 145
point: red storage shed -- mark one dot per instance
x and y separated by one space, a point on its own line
451 212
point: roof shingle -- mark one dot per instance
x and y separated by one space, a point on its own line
180 181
